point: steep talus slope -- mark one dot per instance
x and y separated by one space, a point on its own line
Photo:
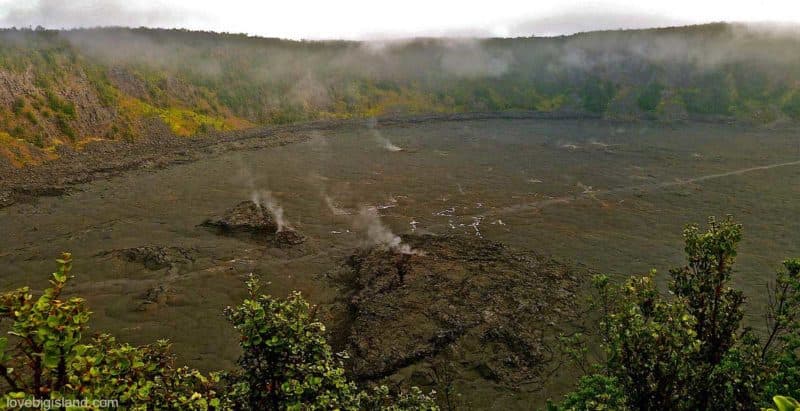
53 96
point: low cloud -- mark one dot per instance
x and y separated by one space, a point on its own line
468 58
570 23
94 13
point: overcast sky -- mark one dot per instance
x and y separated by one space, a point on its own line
365 19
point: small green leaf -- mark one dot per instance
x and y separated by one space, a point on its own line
785 403
51 359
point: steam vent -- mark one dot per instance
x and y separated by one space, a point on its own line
460 300
249 219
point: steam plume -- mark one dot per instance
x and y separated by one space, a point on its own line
383 141
265 199
368 221
335 210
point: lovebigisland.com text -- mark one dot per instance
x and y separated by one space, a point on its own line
59 403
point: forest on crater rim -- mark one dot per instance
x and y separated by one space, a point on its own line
65 89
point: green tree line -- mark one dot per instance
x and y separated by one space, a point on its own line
107 83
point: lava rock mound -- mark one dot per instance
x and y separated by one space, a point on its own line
155 297
489 304
255 222
288 237
246 217
156 257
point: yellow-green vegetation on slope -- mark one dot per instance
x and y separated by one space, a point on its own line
53 93
371 100
64 87
19 152
182 122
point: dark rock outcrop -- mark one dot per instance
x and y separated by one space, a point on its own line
288 238
495 303
156 297
255 222
156 257
246 217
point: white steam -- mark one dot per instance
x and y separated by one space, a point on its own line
334 209
264 198
383 141
378 234
310 92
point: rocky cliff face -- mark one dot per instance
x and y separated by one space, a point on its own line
54 96
47 115
14 85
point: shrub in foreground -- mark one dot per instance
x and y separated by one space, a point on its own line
689 350
286 364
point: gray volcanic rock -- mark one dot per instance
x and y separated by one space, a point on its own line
256 221
6 199
156 257
288 238
490 303
156 297
247 217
